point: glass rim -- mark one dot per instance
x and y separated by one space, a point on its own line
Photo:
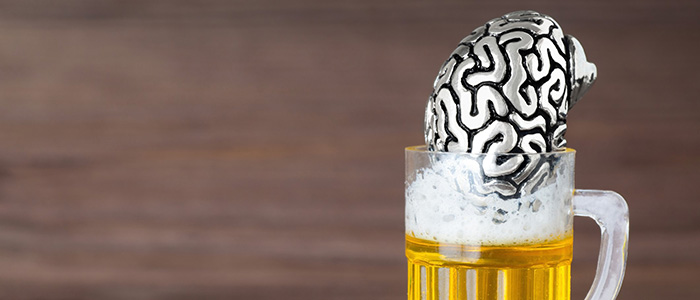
424 149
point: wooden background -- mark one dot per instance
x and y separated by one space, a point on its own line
254 149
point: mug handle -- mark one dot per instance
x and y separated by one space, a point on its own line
610 211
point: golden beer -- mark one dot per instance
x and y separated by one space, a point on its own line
468 237
518 272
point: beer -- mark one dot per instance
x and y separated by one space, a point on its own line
452 271
463 242
469 237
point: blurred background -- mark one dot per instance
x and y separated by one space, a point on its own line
254 149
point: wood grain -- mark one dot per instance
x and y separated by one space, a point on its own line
254 149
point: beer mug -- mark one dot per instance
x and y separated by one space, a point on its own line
509 236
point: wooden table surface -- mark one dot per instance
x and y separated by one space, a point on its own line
254 149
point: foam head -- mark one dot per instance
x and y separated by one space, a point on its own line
447 201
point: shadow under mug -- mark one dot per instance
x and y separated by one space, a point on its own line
500 226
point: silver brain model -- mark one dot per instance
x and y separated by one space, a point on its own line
507 88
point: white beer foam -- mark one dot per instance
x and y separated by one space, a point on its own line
440 207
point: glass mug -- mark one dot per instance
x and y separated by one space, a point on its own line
473 236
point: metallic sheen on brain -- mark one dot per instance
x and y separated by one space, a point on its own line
507 88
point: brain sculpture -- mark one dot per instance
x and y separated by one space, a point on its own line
507 88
